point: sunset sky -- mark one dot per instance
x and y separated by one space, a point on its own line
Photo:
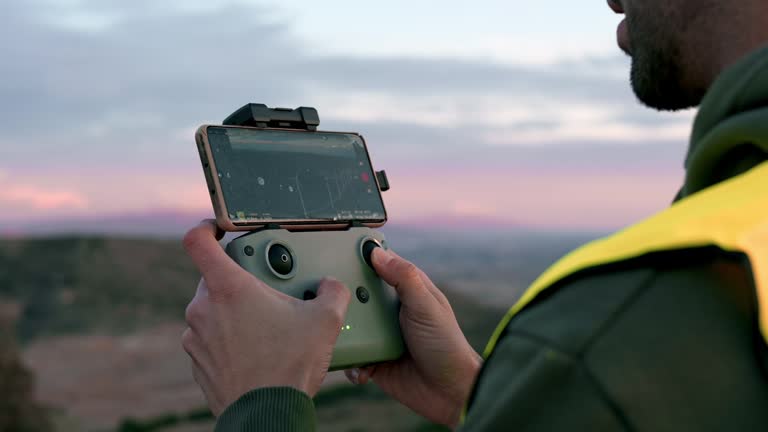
513 112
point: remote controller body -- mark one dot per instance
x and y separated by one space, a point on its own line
295 262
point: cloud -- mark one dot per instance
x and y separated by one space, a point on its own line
22 198
153 66
113 90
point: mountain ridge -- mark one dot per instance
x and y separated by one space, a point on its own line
173 223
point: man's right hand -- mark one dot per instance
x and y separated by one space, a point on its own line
435 376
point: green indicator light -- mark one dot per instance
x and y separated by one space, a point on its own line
349 327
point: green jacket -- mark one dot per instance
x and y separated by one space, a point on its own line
668 341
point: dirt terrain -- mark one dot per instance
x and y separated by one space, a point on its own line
96 381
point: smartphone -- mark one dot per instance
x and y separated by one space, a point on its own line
295 179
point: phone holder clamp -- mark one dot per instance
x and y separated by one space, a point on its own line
307 118
259 115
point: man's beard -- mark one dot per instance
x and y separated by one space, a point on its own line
657 68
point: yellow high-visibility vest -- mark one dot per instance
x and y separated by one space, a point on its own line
732 215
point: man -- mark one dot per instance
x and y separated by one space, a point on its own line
656 328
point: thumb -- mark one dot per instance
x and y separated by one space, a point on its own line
403 275
333 298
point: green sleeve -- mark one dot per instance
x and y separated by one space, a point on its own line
527 385
283 409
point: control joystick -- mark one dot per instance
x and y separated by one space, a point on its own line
280 259
368 248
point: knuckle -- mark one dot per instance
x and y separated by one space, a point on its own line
333 316
188 340
337 318
191 240
408 270
339 287
346 294
192 315
335 287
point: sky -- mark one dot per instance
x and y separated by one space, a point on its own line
503 112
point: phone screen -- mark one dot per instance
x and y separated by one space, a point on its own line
272 175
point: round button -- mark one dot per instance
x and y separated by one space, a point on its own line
280 259
368 248
363 295
249 250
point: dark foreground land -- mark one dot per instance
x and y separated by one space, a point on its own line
98 322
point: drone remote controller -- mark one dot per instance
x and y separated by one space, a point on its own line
311 200
295 262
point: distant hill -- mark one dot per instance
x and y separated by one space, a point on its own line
70 285
154 223
74 284
170 223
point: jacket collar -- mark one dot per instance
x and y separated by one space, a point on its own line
729 136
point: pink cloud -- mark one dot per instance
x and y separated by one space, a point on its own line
37 198
577 199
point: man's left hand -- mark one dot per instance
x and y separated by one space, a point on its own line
244 335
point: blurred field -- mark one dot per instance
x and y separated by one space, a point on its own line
99 320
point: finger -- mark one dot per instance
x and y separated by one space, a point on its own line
359 375
353 375
365 374
403 275
206 252
436 293
189 341
334 298
219 232
203 381
196 312
194 345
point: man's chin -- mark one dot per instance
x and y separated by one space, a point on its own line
660 90
663 102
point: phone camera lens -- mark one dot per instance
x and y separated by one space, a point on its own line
280 259
248 250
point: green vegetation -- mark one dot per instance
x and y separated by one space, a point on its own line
77 285
18 412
